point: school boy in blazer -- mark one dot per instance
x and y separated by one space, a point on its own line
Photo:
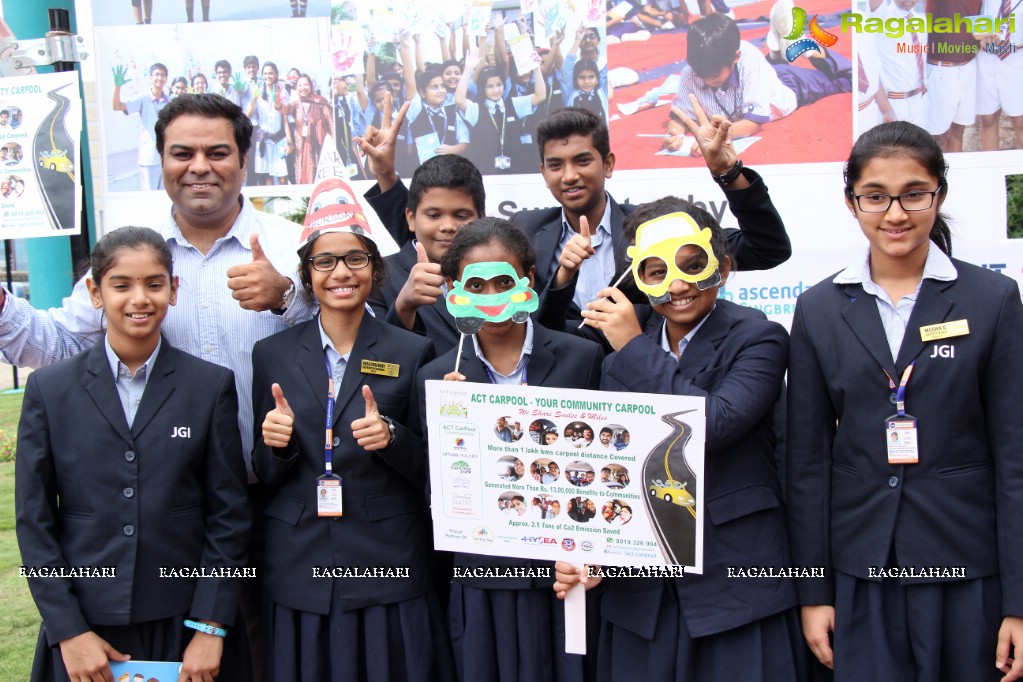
178 435
445 194
576 160
380 527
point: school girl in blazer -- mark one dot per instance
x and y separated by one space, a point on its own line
924 573
325 624
509 628
709 626
161 487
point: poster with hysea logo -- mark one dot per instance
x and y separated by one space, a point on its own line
592 477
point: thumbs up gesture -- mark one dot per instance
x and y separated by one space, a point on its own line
575 252
257 285
279 422
371 431
423 287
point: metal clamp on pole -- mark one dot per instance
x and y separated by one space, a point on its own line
57 46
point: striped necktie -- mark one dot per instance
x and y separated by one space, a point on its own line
918 53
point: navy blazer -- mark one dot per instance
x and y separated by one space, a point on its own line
737 362
433 321
960 505
760 243
93 492
385 517
558 361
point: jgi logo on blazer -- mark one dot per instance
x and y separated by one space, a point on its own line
945 350
181 432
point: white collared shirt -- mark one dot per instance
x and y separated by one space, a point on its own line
338 362
684 341
895 317
130 387
520 368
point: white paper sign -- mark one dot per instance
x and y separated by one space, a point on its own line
40 129
592 477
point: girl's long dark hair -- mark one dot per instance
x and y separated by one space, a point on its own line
900 138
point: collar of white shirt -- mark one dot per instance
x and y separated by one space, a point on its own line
684 342
527 350
938 266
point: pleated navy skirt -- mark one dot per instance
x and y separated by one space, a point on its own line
518 635
404 641
889 632
157 640
770 649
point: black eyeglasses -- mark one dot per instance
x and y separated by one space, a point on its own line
876 202
353 260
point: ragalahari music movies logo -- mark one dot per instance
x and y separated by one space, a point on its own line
817 39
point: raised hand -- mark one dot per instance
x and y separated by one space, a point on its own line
119 76
238 83
379 145
711 137
423 287
576 251
472 58
371 431
279 422
257 285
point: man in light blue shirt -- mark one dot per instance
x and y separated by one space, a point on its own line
229 257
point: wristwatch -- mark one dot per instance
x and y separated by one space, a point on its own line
289 298
728 178
390 429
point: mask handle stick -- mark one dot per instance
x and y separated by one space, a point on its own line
458 356
617 282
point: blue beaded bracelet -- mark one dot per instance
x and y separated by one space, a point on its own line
204 627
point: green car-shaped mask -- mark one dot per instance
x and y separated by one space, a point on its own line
472 310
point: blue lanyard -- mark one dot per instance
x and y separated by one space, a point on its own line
900 390
328 441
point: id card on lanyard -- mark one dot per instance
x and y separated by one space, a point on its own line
900 428
328 486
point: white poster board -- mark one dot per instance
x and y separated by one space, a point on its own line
40 129
595 477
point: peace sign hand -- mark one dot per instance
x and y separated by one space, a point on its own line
711 135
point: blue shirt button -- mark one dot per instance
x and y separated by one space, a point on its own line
893 481
128 492
129 456
128 530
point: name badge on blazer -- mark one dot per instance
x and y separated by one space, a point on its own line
944 330
385 369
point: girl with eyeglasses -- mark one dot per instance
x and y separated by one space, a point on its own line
918 534
354 500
